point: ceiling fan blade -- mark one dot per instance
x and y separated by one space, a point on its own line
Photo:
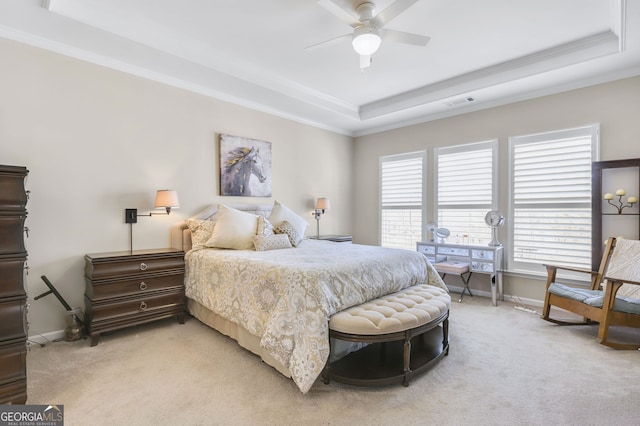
365 61
406 38
330 42
346 15
393 10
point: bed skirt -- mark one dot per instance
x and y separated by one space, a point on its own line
236 332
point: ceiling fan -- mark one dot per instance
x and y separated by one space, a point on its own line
368 27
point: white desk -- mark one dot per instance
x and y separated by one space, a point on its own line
482 259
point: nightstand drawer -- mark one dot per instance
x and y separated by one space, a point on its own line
122 266
136 306
141 285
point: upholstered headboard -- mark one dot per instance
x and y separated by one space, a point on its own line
181 236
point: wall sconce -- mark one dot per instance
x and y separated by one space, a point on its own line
165 198
322 205
621 206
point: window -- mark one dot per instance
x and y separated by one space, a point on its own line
466 190
401 200
551 198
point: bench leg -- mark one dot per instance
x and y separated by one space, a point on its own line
407 359
445 335
325 371
325 374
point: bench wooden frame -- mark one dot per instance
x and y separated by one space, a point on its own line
370 366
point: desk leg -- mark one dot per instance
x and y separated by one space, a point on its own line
496 280
494 299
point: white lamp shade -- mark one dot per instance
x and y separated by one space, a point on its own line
167 198
323 204
366 40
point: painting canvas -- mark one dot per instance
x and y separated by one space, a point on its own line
245 167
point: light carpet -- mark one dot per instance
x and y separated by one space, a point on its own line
505 367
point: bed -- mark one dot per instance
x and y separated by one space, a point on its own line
276 302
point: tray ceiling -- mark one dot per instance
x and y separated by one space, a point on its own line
252 52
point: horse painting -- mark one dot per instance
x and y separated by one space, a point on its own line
240 165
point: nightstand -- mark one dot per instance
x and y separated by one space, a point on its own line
334 238
124 289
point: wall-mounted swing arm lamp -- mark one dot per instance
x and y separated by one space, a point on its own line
165 198
322 205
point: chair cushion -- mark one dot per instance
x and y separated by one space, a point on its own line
575 293
452 267
595 298
627 304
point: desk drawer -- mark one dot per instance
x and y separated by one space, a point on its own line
454 251
482 254
482 266
426 249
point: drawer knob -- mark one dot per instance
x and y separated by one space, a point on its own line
143 306
143 285
143 266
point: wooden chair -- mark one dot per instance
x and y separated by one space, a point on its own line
613 298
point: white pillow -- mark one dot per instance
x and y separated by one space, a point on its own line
201 231
234 229
287 229
281 213
271 242
264 226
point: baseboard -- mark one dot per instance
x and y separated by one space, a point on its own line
519 301
43 339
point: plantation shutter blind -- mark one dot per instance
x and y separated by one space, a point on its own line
401 200
465 189
552 198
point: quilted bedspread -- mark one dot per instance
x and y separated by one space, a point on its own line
285 297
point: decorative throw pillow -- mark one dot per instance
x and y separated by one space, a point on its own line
264 226
234 229
287 228
201 231
280 213
271 242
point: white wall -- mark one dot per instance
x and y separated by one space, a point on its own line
615 106
97 141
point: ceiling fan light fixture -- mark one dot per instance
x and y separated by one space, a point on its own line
366 40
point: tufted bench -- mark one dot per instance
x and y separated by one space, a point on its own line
388 324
